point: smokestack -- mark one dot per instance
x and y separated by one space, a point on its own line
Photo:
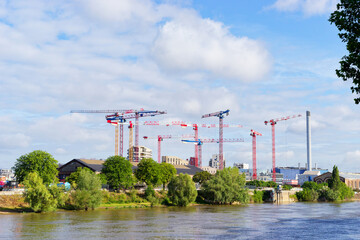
308 130
315 166
299 165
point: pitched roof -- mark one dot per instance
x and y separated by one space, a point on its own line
96 165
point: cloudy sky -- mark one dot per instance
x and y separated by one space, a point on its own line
261 59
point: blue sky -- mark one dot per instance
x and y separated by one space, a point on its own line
260 59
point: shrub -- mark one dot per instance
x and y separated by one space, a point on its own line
227 186
258 196
307 195
88 193
182 190
38 195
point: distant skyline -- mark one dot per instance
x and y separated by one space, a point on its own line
260 59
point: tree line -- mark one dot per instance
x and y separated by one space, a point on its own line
38 172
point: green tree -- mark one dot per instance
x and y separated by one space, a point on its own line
307 194
88 191
74 175
38 195
335 182
37 161
227 186
118 172
182 190
347 19
167 171
201 177
148 171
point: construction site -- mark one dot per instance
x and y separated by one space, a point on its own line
130 119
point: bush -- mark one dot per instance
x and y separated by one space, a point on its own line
307 195
88 193
182 190
286 187
226 187
38 195
258 196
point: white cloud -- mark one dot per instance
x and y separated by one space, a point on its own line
14 141
309 7
193 44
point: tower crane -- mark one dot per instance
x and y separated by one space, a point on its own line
118 118
272 122
114 113
131 155
220 115
200 142
254 134
193 125
121 119
160 138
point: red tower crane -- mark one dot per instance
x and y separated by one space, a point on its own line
253 134
160 138
200 142
220 115
121 119
272 123
194 126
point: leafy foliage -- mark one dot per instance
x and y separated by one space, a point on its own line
337 190
258 196
118 172
167 171
182 190
287 187
260 183
37 161
347 19
88 192
307 194
227 186
201 177
39 197
335 182
148 171
72 179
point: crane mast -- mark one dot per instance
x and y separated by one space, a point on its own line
254 134
273 122
220 115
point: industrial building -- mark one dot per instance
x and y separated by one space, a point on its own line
350 179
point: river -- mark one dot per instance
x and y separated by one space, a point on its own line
254 221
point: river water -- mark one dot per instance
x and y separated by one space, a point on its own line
254 221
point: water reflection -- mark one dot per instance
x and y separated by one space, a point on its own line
265 221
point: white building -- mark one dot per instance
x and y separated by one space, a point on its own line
214 161
144 152
307 176
174 160
210 170
242 165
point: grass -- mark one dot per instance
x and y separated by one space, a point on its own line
125 205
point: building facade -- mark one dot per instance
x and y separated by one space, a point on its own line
350 179
214 161
210 170
174 160
144 152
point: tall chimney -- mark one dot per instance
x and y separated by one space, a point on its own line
308 130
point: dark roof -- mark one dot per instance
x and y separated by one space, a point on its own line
95 165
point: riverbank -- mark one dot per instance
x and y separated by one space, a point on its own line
15 203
